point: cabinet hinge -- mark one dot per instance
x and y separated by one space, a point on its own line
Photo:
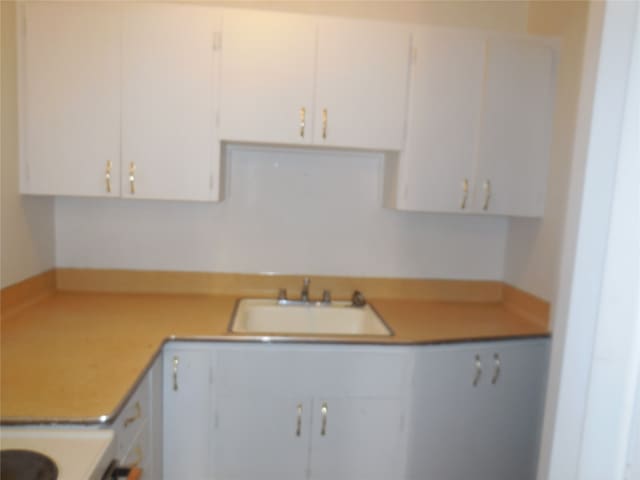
217 41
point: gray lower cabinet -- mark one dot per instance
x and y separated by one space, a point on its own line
477 410
345 412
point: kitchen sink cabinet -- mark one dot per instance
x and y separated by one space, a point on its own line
479 128
299 79
477 410
294 411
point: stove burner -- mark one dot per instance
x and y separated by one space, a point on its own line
26 465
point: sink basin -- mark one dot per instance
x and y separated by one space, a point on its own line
337 318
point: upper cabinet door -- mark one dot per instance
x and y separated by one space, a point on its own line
70 98
170 148
436 164
267 77
516 128
361 84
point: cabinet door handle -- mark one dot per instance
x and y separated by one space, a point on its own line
128 421
323 414
107 175
496 372
132 178
487 194
325 120
465 194
303 114
176 361
299 421
476 379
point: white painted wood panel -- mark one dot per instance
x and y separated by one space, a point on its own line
361 83
69 97
187 413
170 89
267 77
444 108
515 140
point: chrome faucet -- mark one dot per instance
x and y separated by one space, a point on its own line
304 294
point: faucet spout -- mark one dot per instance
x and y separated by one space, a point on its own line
304 294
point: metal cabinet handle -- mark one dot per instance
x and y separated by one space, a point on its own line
128 421
465 194
487 194
299 421
496 372
303 114
107 175
325 119
323 413
476 379
176 361
132 178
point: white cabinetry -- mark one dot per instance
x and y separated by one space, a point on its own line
119 100
297 79
169 99
341 412
138 427
478 410
187 411
69 89
480 115
267 77
361 84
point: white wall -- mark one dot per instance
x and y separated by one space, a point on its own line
533 253
26 225
286 211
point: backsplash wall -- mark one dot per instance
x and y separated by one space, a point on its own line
286 211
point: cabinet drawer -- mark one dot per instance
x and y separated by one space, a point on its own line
130 421
139 454
310 370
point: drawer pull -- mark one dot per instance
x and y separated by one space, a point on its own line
107 175
303 114
478 363
487 195
323 414
132 178
135 416
299 421
176 360
325 120
465 194
496 372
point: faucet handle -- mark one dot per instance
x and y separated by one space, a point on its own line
326 296
358 300
306 282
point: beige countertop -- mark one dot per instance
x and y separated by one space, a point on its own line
74 357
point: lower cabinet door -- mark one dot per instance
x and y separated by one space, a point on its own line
260 437
477 411
187 407
358 438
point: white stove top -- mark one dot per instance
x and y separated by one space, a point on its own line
79 453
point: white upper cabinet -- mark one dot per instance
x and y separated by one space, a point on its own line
267 77
479 130
170 148
69 98
446 92
299 79
516 124
361 84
